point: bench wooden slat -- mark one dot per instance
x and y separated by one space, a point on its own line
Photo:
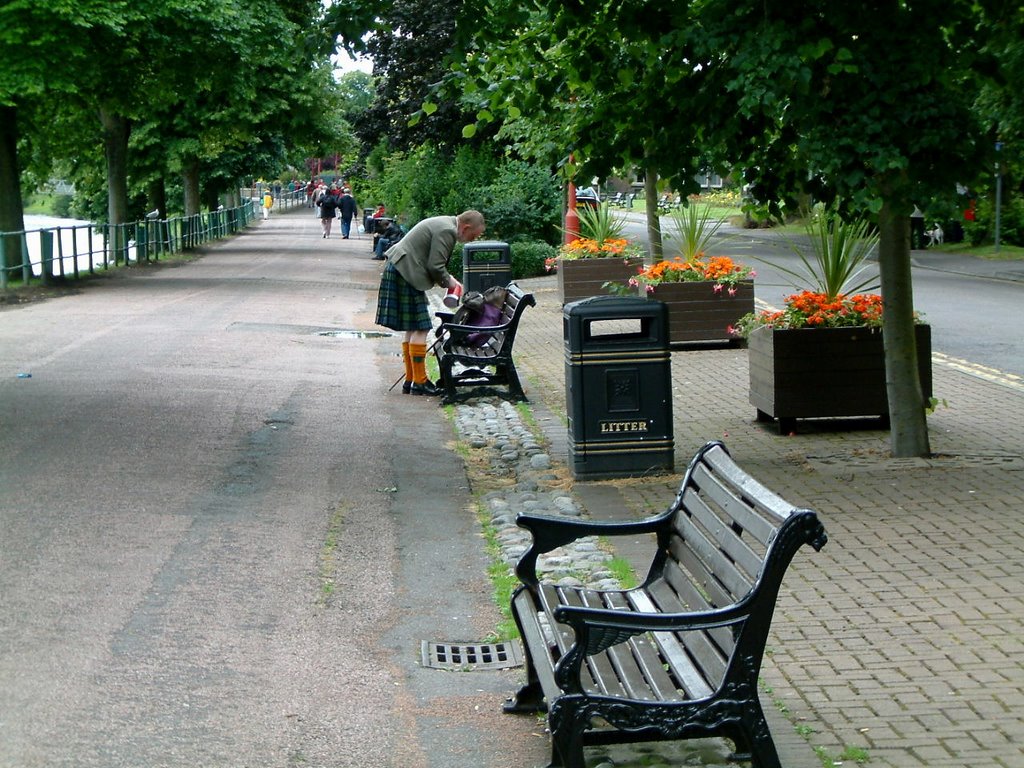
771 506
723 583
692 681
602 670
617 661
594 676
533 638
721 533
646 653
709 649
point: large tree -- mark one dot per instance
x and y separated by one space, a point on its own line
42 47
873 102
868 101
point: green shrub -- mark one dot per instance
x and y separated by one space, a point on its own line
520 201
528 259
522 204
1011 222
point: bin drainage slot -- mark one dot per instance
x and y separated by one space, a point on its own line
468 656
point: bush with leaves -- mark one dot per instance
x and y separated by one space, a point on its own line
1011 222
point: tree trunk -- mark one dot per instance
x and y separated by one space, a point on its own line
156 191
651 209
909 436
116 129
190 183
12 213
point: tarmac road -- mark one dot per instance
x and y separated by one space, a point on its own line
221 545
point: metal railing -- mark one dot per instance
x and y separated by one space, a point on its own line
84 249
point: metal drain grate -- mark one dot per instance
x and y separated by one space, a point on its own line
469 656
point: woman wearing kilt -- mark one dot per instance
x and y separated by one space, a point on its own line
416 263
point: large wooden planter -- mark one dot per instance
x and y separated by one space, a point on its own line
696 312
824 373
582 278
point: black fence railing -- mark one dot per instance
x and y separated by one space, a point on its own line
84 249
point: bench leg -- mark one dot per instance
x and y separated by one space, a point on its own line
445 364
528 700
755 739
515 388
567 724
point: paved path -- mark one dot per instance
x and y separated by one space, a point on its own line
223 538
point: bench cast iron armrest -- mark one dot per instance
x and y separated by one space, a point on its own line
589 620
550 533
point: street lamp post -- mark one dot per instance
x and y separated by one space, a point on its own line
999 191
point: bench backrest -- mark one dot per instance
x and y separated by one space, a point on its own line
730 544
516 302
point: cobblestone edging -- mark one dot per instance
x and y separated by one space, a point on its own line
514 453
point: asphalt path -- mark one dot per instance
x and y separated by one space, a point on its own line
223 539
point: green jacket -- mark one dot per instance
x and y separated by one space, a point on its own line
421 257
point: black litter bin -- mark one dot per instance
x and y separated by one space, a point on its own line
486 263
618 387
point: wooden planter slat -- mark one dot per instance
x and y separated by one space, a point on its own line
583 278
697 313
825 372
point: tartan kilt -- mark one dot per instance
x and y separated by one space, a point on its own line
401 307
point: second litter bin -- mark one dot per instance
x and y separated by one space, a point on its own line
618 387
486 263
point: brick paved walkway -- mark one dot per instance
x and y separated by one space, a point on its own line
904 637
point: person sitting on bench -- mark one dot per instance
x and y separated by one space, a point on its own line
392 234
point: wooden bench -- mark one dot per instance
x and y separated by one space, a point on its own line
679 656
485 364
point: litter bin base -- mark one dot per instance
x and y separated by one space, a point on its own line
608 460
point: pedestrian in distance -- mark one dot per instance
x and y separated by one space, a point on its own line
268 203
416 263
328 211
347 208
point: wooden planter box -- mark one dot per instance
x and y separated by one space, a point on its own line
824 373
697 313
583 278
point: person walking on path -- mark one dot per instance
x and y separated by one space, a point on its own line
416 263
328 211
347 206
268 203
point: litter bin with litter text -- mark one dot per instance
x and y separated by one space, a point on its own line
618 387
486 263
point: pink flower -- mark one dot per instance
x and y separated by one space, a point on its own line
633 283
732 290
650 289
717 288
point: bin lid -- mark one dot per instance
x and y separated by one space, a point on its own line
609 307
485 245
